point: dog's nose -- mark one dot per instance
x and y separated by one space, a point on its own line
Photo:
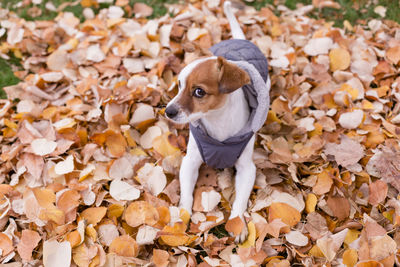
171 111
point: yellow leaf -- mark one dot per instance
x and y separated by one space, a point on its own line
91 232
350 257
162 145
184 216
351 236
52 214
316 252
339 59
311 202
115 210
251 239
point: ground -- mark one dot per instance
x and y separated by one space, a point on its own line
89 164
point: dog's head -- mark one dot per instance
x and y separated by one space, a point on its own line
203 86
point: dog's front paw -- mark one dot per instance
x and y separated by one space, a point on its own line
187 208
237 227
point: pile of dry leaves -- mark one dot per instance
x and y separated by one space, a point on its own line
89 164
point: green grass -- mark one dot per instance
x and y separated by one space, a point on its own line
6 75
353 11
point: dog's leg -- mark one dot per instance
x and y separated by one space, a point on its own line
244 182
188 174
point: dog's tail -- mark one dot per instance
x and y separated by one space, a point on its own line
237 32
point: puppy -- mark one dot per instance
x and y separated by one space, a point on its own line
225 98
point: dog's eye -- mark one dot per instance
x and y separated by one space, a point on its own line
198 92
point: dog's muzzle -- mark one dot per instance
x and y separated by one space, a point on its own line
171 111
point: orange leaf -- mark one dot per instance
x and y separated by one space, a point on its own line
285 212
94 215
6 244
174 235
116 143
339 59
125 246
324 183
141 212
160 257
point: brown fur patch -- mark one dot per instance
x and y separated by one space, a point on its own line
205 75
216 77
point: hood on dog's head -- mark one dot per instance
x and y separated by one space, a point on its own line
203 86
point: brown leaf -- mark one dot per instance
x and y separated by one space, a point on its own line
393 54
377 192
340 207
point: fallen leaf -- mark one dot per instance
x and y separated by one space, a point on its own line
174 235
153 178
120 190
29 240
94 215
125 246
286 213
377 192
339 59
56 254
141 212
296 238
351 120
160 257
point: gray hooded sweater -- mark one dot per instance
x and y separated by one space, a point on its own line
247 56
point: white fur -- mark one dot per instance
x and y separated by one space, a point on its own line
237 32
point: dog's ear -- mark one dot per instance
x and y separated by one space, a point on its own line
231 77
